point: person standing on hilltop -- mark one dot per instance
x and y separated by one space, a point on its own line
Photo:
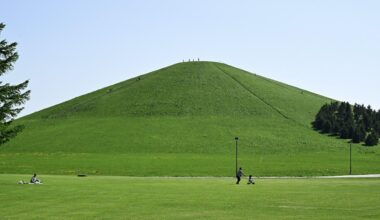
239 174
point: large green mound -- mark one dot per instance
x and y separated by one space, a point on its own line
182 120
193 89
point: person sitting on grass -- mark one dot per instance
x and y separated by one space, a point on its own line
34 179
250 180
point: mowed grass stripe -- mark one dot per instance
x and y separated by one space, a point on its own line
68 197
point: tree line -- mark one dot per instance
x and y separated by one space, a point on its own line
358 123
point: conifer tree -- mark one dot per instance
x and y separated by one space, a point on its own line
368 118
376 126
11 96
320 118
347 125
359 134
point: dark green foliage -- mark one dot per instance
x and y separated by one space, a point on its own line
11 96
345 132
326 120
376 122
346 120
341 119
319 122
372 139
359 134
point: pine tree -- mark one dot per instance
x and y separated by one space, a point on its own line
319 118
341 114
344 132
347 125
359 134
326 120
359 111
327 127
376 126
11 96
368 118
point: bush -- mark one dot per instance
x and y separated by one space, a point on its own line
372 139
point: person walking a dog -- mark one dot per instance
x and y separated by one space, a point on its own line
239 174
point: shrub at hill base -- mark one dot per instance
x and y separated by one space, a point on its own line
372 139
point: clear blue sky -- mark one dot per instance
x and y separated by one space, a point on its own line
68 48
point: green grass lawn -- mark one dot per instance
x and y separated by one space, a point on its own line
307 164
102 197
168 146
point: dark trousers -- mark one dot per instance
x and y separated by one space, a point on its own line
238 179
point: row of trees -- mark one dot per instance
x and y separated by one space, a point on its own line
358 123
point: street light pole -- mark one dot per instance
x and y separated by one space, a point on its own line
236 167
350 157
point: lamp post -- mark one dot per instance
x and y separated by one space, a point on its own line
350 157
236 167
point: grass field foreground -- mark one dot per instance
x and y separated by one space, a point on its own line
104 197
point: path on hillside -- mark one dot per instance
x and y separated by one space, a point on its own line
260 98
253 93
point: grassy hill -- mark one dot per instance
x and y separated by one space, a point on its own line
181 121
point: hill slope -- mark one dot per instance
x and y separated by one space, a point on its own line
181 120
193 89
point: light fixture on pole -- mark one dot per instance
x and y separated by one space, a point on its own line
236 167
